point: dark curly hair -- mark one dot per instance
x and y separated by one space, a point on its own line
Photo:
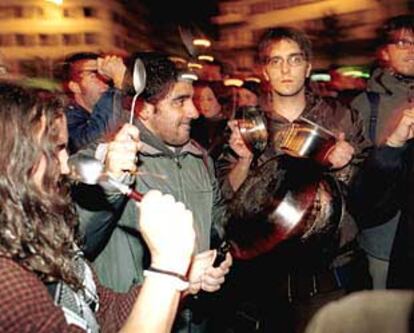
37 222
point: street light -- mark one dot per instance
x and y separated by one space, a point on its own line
56 2
201 42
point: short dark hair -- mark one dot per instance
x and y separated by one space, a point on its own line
161 74
393 24
274 35
68 73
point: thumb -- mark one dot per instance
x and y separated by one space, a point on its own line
341 136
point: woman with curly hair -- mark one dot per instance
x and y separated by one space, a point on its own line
45 283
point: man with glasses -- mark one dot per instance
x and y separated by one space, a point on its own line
390 90
93 84
281 286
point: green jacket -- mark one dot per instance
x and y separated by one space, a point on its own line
187 174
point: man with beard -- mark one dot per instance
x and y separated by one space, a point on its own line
173 164
288 287
390 91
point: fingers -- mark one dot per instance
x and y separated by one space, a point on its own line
122 151
167 228
403 131
127 131
236 141
213 278
341 154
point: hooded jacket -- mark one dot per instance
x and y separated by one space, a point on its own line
394 93
186 173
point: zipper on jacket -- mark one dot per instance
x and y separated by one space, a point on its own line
177 161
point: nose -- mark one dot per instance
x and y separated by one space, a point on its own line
191 110
285 67
63 159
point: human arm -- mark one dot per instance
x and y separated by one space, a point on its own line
167 228
240 170
377 190
100 208
232 169
112 67
352 140
84 128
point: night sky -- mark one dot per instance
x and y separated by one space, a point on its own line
170 13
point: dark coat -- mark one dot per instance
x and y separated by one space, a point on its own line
385 185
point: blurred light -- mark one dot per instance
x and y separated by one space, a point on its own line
56 2
201 42
324 77
188 76
194 65
252 79
354 71
356 74
177 59
206 57
233 82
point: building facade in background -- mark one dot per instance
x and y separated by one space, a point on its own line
37 34
342 31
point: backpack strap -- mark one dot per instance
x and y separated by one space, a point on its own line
373 99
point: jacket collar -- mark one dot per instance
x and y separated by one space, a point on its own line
152 145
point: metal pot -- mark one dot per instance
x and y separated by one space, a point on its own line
286 199
306 139
253 128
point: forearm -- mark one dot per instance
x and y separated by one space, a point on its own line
239 173
155 308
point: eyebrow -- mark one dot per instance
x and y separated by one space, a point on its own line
182 97
289 55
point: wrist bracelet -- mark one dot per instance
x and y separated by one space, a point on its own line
163 271
174 279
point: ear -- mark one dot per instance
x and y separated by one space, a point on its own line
308 70
74 87
384 55
265 75
147 111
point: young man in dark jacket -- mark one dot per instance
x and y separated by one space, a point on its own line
301 280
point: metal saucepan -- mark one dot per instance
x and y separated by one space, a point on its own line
90 171
252 127
305 139
285 199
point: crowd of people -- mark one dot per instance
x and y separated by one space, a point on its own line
227 237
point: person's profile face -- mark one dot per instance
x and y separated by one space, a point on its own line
60 151
171 118
398 54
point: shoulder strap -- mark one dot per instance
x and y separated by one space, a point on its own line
373 99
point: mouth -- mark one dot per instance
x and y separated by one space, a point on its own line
186 126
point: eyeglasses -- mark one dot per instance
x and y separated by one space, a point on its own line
293 60
403 44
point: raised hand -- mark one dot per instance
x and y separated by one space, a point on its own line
167 228
113 68
341 153
404 130
237 143
122 151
